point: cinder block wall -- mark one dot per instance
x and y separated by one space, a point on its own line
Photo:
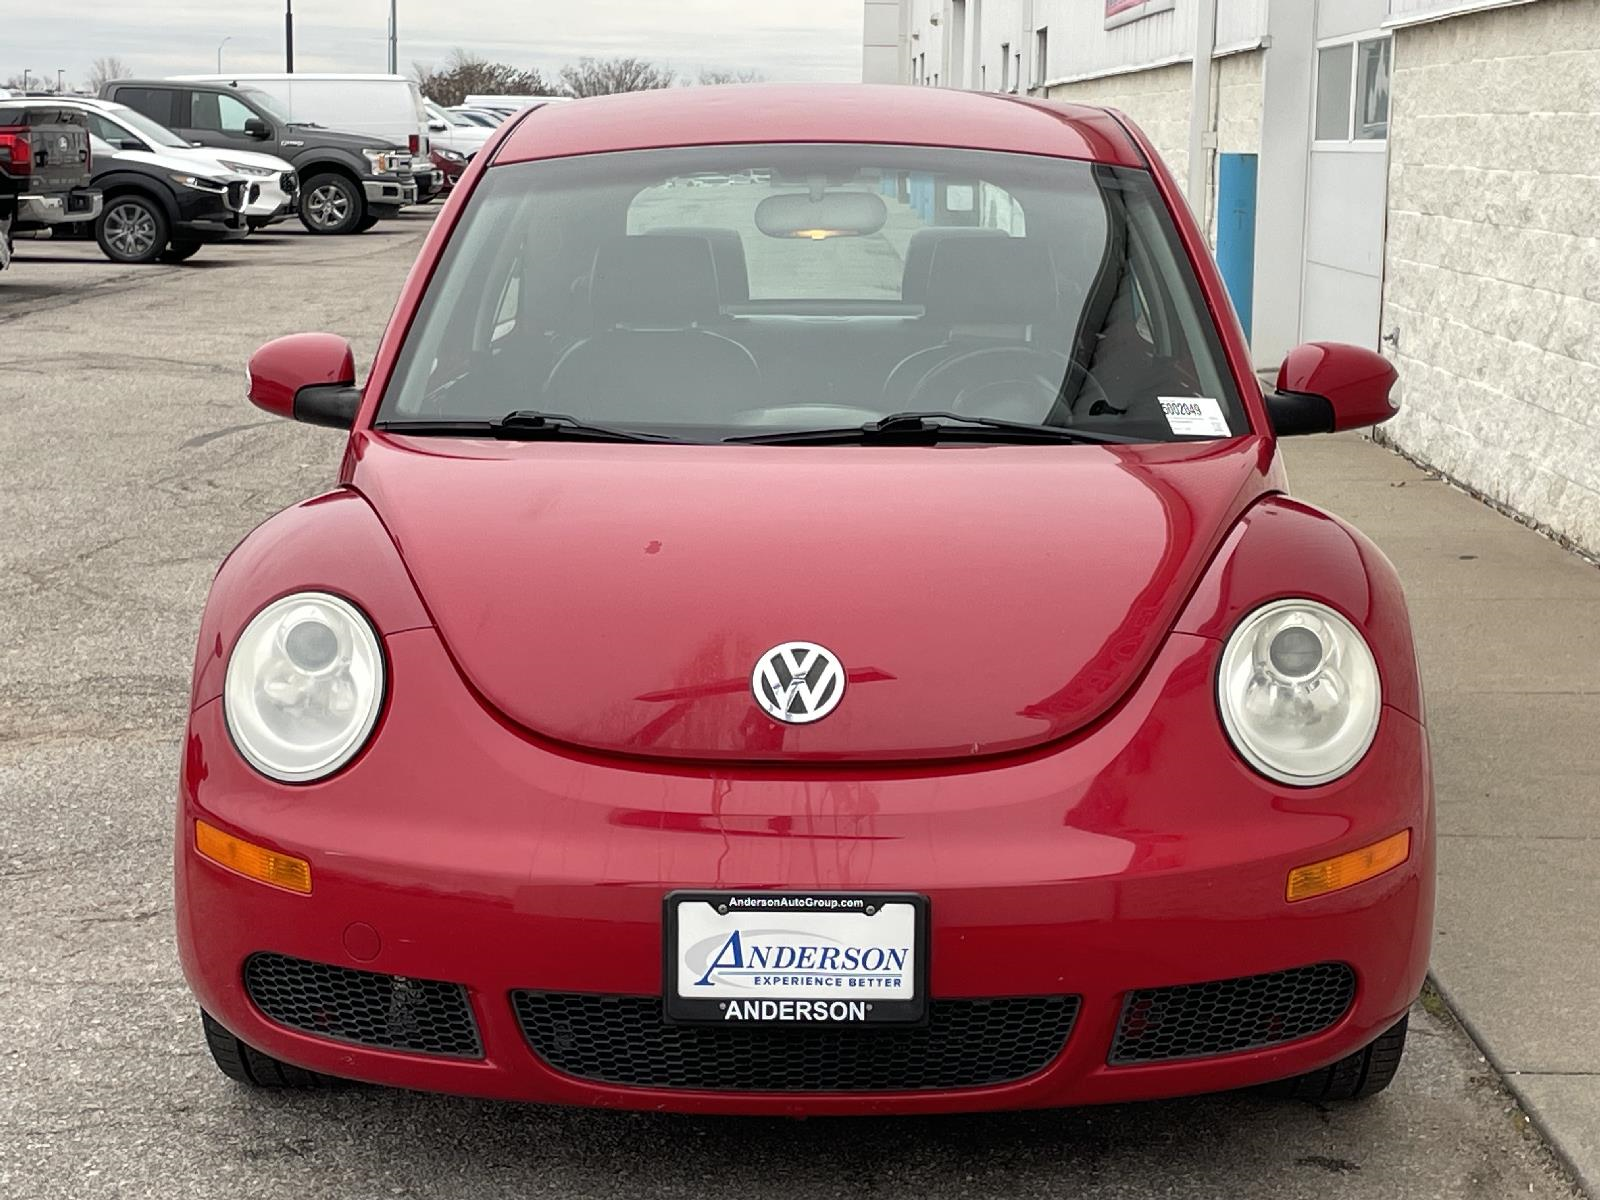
1158 100
1492 285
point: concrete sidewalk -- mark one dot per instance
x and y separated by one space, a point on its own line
1508 631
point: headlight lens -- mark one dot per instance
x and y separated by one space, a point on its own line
450 155
304 686
199 183
383 162
1299 692
246 168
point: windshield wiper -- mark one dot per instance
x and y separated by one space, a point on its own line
923 427
524 425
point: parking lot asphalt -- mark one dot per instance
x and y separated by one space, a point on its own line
129 464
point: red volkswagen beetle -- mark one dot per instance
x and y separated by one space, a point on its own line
810 621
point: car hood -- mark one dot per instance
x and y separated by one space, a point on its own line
215 154
201 165
981 599
314 135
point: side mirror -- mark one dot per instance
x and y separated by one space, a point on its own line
437 126
1328 387
257 128
308 377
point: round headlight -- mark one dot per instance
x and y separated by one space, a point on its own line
1299 693
304 686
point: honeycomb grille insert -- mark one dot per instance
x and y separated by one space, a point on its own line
393 1012
964 1044
1229 1015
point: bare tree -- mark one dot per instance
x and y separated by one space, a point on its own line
712 76
107 69
467 74
604 76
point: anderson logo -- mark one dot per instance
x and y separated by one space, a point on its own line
751 961
795 1010
798 682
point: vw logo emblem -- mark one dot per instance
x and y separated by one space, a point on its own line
798 682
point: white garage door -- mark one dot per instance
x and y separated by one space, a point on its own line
1342 288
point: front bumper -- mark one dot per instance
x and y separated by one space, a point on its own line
1140 854
55 208
389 191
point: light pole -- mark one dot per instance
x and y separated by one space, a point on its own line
61 80
288 36
220 45
25 79
394 37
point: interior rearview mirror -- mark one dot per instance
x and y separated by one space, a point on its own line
820 217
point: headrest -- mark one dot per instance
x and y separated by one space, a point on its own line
919 256
991 281
727 252
653 282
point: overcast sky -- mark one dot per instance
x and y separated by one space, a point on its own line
785 39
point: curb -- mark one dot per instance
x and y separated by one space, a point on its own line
1582 1182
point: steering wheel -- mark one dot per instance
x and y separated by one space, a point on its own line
1016 383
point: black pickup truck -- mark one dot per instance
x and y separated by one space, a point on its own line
348 181
44 170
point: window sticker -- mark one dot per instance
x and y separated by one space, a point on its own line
1194 416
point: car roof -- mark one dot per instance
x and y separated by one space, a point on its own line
870 113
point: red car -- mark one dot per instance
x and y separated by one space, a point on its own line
810 621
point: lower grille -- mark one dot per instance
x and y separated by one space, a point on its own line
389 1011
625 1040
1229 1015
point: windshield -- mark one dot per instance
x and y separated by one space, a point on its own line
714 293
440 114
151 130
266 102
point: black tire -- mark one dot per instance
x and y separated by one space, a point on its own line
131 228
247 1065
367 222
331 204
1365 1073
180 251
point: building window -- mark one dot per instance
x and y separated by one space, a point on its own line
983 77
1005 66
936 79
1041 65
1353 91
1372 90
1016 78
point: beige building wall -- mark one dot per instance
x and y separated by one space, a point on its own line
1492 288
1158 100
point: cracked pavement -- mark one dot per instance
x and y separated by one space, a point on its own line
132 464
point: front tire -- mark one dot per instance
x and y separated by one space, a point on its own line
1355 1077
331 204
132 229
245 1064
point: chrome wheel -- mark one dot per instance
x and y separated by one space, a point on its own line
130 230
327 206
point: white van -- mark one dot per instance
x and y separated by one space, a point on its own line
385 106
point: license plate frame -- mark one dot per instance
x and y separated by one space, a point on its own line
738 908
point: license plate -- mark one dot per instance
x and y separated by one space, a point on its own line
780 958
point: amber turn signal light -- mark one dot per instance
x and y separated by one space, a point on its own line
252 861
1347 870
